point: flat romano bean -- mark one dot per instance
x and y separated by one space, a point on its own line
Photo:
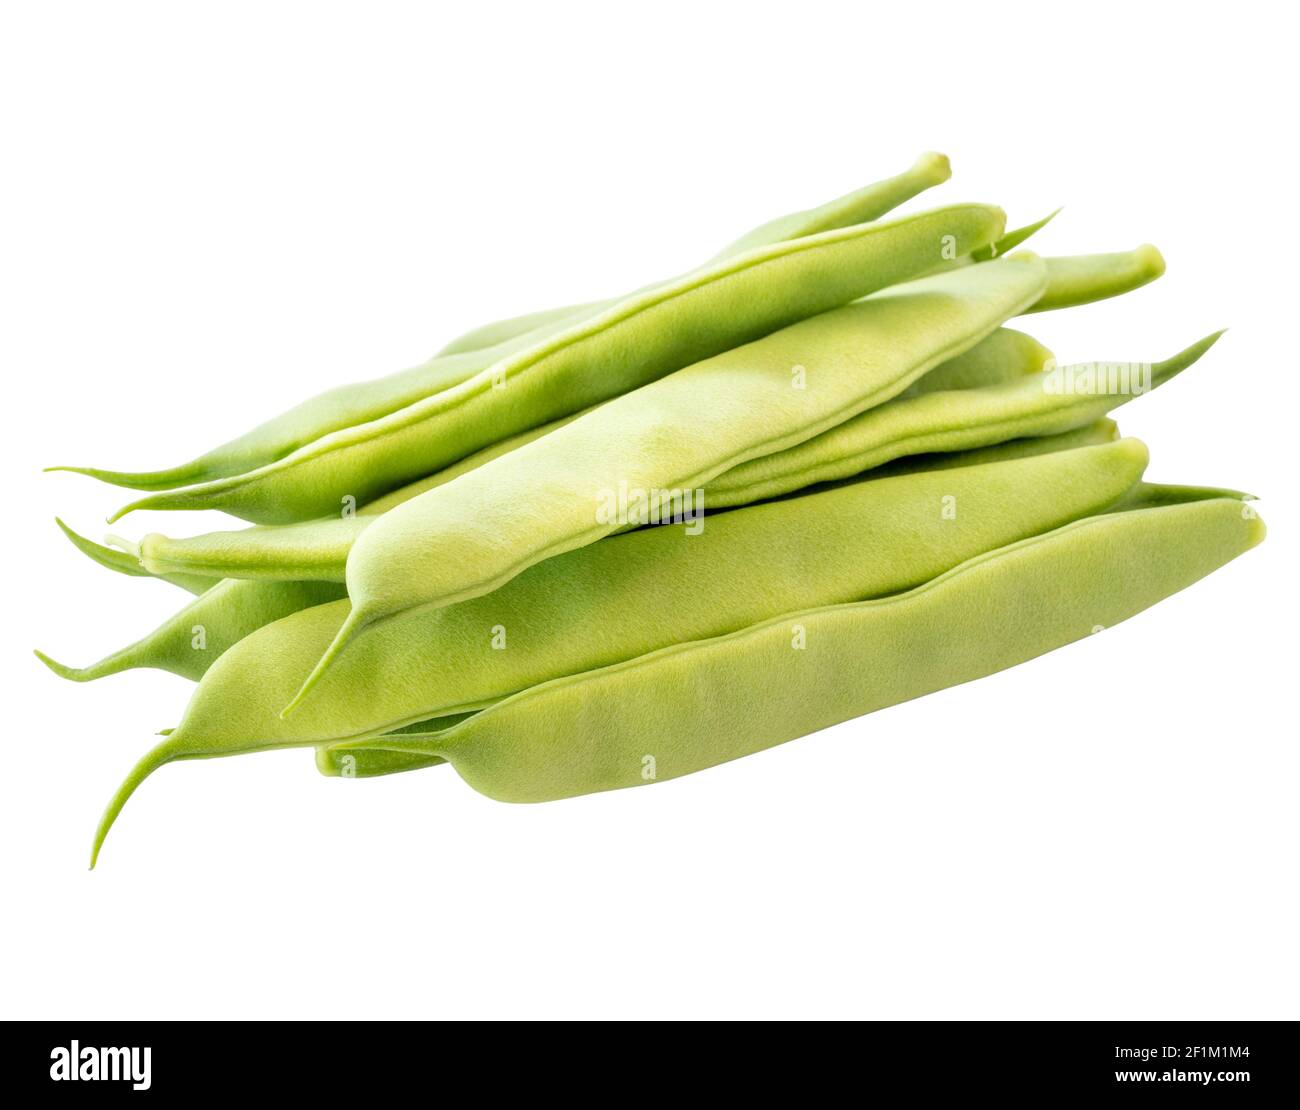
696 704
312 549
190 641
957 420
861 206
1093 277
318 549
876 538
342 407
644 338
361 402
575 485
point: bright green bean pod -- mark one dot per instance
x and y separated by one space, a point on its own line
336 409
644 338
361 402
311 549
570 488
957 420
1085 278
861 206
554 619
691 706
189 642
127 562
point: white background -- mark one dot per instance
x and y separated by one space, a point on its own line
212 210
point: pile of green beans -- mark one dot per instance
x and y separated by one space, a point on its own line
611 543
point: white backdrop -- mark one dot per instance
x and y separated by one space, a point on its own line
212 210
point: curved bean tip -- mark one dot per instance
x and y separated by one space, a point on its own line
1136 449
935 165
159 755
1150 258
73 674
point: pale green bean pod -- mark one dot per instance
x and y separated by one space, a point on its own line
861 206
125 561
952 421
361 402
189 642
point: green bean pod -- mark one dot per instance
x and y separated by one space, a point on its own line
861 206
554 619
189 642
951 421
695 705
361 402
642 339
1085 278
128 562
311 549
